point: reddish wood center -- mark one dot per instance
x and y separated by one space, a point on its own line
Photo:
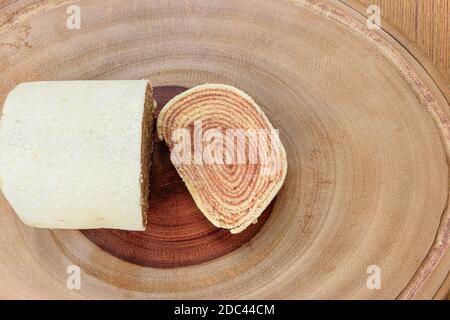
177 233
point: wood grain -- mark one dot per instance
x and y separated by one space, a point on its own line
366 131
425 22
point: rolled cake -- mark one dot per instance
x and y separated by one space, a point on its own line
75 154
211 131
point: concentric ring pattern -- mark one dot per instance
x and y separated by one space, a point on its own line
232 160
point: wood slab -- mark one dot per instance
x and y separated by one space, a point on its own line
366 130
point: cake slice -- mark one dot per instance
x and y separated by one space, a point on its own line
226 151
76 154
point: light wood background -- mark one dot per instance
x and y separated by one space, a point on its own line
425 22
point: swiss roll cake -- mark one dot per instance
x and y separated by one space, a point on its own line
227 152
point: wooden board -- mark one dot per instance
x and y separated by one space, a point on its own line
366 130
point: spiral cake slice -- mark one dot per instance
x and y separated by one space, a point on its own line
226 151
